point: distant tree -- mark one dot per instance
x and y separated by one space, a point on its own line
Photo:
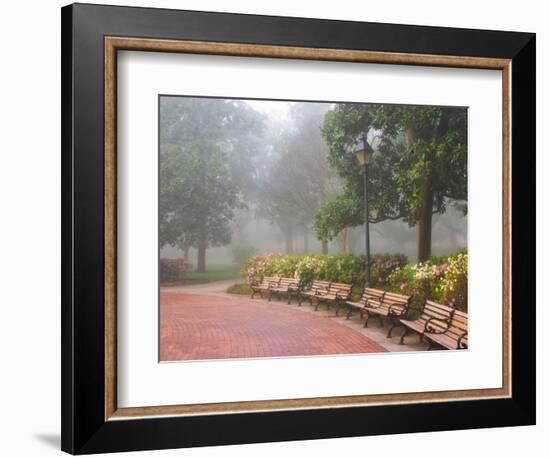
420 163
299 178
335 217
198 198
208 147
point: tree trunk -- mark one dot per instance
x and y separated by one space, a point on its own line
186 253
342 239
289 241
201 258
424 225
324 246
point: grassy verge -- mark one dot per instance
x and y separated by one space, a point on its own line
214 272
239 288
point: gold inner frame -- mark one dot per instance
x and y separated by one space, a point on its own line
114 44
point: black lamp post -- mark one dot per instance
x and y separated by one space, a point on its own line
363 151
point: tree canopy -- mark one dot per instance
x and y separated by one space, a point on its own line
207 153
419 165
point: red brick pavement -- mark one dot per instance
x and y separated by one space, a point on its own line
194 326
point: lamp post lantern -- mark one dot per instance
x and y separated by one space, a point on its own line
363 151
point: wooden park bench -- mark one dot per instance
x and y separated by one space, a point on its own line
435 319
288 286
317 287
394 306
264 285
369 296
382 304
336 292
455 337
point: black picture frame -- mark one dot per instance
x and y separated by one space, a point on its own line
84 428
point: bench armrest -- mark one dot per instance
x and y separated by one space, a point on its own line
395 311
431 330
459 343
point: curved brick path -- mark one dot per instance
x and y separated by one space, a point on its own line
199 326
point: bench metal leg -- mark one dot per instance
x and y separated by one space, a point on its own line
350 311
367 320
394 324
337 308
405 333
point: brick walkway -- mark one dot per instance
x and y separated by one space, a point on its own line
198 326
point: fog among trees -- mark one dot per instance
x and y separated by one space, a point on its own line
239 177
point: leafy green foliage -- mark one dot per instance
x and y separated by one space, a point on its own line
207 158
382 265
420 161
342 268
454 285
336 215
197 197
442 279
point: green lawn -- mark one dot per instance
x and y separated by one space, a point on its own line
214 272
239 288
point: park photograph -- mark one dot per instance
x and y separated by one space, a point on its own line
293 228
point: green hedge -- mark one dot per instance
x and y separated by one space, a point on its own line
442 279
342 268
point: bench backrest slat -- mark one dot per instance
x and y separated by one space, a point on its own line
439 314
372 294
339 287
266 281
288 282
320 285
396 302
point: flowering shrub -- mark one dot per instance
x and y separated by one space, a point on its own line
173 269
454 285
255 267
382 265
342 268
442 279
445 282
417 280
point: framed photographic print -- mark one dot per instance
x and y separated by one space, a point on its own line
282 228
